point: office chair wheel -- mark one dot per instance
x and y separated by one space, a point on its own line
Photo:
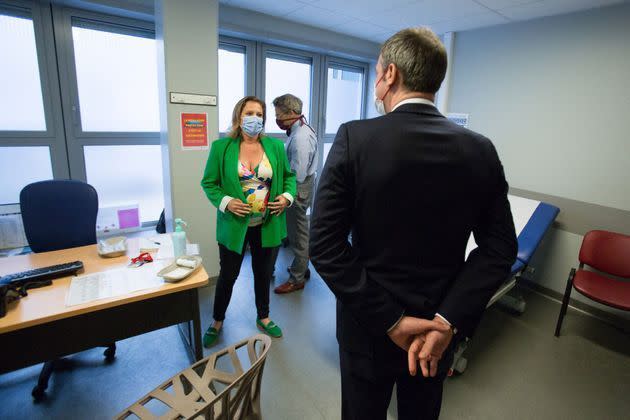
38 393
110 353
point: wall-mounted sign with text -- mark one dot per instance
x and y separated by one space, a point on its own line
194 131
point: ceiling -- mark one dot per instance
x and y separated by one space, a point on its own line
376 20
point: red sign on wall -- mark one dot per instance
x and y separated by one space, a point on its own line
194 131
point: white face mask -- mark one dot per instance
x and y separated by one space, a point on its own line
379 105
378 102
252 125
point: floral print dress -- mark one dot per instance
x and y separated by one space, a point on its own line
256 186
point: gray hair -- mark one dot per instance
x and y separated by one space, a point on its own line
419 56
288 103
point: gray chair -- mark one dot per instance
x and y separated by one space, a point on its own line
205 390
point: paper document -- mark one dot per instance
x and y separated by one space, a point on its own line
152 244
161 247
11 227
192 249
166 248
113 283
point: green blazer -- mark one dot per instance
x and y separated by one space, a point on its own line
221 178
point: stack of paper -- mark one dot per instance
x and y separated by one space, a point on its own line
113 283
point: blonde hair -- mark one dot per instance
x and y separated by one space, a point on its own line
235 131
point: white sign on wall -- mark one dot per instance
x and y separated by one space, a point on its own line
459 119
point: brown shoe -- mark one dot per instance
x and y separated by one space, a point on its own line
288 287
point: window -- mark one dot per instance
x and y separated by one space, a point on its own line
13 176
332 89
80 98
127 175
344 96
114 121
327 147
32 145
286 74
231 82
116 79
21 101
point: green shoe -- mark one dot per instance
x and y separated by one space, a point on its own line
210 337
271 328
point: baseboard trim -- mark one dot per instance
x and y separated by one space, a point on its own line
611 319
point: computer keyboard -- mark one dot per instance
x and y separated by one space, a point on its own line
43 273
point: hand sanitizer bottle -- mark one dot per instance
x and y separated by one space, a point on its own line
179 239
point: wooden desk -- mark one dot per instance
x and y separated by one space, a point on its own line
41 327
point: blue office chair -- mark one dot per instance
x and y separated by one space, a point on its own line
59 214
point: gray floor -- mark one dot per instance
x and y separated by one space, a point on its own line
516 369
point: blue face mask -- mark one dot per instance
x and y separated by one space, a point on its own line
252 125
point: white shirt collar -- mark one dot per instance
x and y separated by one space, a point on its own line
413 101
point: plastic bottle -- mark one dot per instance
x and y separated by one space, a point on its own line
179 238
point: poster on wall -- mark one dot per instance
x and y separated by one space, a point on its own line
194 131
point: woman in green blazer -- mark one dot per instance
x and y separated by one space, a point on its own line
249 180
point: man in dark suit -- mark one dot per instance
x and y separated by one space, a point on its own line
410 186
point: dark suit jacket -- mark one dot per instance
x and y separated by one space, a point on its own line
410 186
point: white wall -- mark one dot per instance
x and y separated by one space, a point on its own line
553 94
187 36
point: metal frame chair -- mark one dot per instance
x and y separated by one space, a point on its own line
609 254
195 391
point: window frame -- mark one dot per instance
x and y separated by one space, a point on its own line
76 138
297 56
64 21
238 45
32 11
55 53
53 137
337 63
255 73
